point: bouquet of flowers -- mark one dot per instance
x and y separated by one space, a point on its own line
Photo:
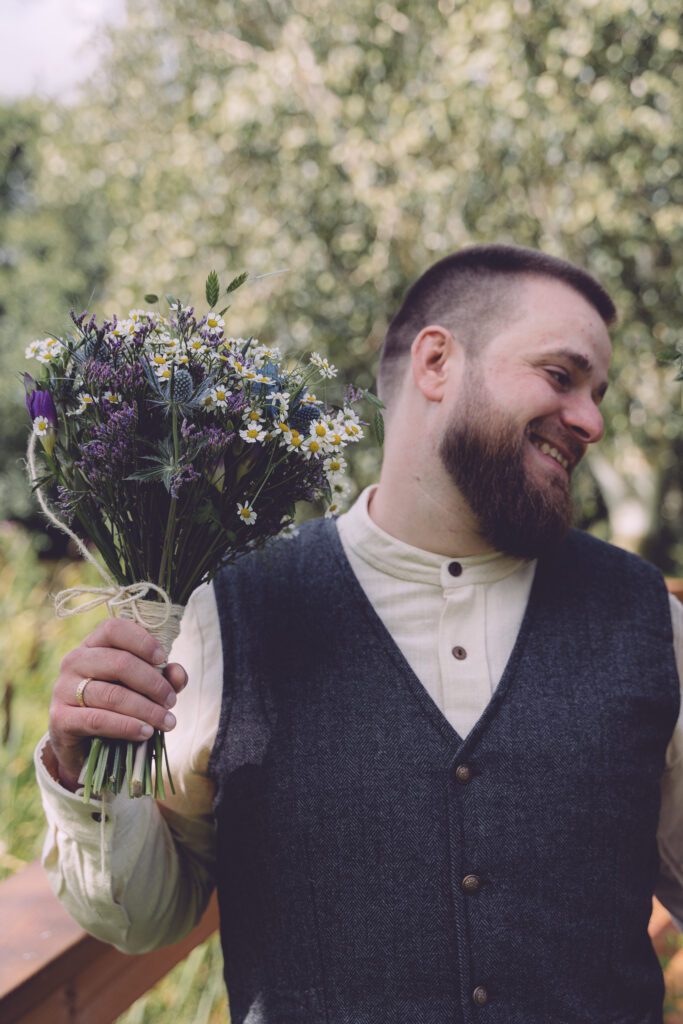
174 448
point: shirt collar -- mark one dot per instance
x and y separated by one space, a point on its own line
405 562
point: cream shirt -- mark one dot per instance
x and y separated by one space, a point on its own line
141 876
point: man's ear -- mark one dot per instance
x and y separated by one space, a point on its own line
435 357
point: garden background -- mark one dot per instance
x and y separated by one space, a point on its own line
348 145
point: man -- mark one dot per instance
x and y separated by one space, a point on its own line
422 749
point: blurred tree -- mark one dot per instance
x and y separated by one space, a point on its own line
354 144
52 253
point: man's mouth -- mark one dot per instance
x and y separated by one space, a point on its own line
549 449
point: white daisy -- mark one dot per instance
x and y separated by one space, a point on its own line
294 441
326 368
334 465
214 323
310 399
41 426
220 395
49 350
85 400
253 434
312 447
246 513
112 397
252 415
31 351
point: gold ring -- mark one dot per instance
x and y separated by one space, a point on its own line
80 691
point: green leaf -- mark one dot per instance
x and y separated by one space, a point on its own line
151 298
378 427
224 310
212 289
236 282
374 400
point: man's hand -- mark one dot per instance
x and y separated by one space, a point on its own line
126 699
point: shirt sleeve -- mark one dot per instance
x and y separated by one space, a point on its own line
138 873
669 889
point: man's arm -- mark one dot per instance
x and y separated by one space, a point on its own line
138 873
669 890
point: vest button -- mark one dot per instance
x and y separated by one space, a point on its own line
459 652
471 883
463 773
480 996
455 568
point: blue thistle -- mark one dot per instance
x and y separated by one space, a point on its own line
302 416
182 386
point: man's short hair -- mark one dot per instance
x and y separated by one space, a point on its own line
472 293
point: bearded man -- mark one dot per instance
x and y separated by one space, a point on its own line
430 752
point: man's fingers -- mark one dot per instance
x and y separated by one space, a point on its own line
100 722
115 666
129 636
110 697
176 675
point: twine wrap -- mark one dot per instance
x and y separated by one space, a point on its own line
161 618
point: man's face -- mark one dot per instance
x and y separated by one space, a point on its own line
526 410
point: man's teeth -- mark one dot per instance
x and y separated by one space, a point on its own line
548 449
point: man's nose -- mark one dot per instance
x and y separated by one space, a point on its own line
583 418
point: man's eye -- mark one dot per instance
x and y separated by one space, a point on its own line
561 377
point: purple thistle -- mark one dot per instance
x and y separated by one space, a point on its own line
182 476
353 394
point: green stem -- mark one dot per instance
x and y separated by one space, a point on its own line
90 768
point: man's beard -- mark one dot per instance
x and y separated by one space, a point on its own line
484 454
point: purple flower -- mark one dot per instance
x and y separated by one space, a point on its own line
109 455
39 402
184 475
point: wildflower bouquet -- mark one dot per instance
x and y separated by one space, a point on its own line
173 449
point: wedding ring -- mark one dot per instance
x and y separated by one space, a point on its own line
80 691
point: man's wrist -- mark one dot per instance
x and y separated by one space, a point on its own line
58 772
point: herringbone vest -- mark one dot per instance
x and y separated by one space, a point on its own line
376 868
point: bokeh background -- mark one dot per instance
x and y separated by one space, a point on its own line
143 143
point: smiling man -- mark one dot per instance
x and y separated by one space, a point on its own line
430 754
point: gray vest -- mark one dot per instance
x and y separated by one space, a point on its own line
374 867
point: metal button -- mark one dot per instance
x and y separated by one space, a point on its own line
471 883
459 652
455 568
463 773
480 996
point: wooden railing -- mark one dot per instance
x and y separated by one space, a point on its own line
52 972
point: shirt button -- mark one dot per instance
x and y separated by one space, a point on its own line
455 568
480 996
471 883
463 773
96 816
459 652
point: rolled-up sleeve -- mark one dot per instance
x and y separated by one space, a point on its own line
138 873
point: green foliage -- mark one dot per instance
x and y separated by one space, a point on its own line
212 289
30 653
